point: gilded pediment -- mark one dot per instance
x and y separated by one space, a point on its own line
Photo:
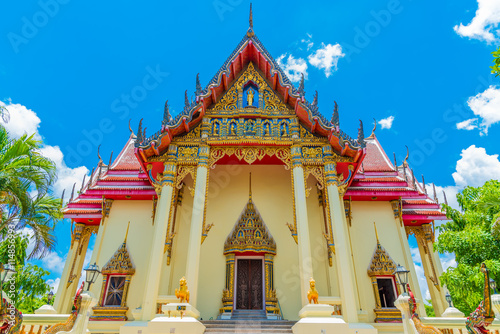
250 95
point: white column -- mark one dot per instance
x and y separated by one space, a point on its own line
305 258
152 281
409 265
194 246
343 256
73 269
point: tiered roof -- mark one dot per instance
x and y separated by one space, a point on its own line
124 180
380 180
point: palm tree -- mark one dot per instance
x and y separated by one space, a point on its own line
25 178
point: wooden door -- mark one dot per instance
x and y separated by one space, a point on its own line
249 285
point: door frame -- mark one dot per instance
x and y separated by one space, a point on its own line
249 257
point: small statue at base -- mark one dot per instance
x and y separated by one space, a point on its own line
312 294
182 293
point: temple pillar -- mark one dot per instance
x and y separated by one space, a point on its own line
165 187
406 252
425 236
73 268
304 244
196 231
345 270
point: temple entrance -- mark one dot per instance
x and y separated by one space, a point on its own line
249 285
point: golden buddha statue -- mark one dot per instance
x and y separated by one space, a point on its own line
250 95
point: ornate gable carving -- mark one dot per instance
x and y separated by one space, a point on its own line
250 233
267 101
120 263
381 263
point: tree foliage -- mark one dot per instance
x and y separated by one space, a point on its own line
28 289
25 178
495 69
472 236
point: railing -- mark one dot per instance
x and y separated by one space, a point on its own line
456 325
164 300
38 323
336 302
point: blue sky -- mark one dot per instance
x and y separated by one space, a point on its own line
74 72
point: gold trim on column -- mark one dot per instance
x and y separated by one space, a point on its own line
80 235
424 235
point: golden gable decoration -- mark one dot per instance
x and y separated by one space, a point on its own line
269 102
120 263
250 233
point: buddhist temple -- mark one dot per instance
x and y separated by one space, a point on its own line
248 193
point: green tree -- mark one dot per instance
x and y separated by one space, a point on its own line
471 236
28 289
495 69
24 171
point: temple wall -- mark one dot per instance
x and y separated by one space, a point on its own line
138 242
364 242
227 197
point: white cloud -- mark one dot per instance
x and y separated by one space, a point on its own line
326 58
308 41
468 124
24 120
293 68
476 167
486 105
386 123
447 260
54 283
484 26
53 263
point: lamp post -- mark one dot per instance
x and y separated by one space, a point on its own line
6 273
448 299
493 285
50 297
91 274
402 275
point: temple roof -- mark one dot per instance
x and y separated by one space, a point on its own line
250 49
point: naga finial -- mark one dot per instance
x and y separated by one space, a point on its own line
186 99
374 128
166 113
335 117
361 134
198 84
405 161
139 136
301 85
315 101
130 128
98 153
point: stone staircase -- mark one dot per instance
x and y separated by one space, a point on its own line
248 322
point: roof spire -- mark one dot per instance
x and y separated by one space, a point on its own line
166 113
376 233
395 161
301 86
423 181
83 182
186 100
130 128
98 153
126 233
250 187
250 19
335 116
110 160
445 200
435 195
198 85
72 192
361 134
62 196
374 128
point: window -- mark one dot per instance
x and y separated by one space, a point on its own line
386 291
114 294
